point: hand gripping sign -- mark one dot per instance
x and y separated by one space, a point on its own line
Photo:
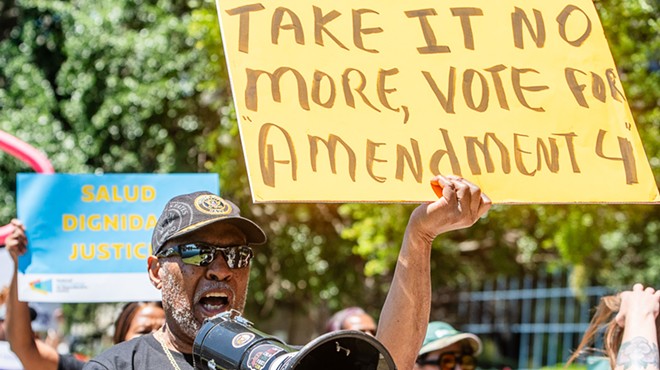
26 153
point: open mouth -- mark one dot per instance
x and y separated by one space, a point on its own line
215 302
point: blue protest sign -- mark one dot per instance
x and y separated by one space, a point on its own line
89 235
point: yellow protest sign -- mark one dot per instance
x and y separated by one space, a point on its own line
367 101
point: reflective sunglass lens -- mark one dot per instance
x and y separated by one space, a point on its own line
236 257
197 258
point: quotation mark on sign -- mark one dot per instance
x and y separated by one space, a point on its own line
246 118
628 125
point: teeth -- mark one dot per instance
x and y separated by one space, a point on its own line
220 295
212 308
217 301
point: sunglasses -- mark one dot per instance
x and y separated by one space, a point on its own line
202 254
449 360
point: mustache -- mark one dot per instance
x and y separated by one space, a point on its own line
214 286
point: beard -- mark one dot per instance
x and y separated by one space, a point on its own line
178 306
239 303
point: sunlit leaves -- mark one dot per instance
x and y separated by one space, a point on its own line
141 86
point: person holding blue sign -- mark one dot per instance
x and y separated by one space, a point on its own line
135 319
202 249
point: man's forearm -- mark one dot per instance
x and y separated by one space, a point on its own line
405 314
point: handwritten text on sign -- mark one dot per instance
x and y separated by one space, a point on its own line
366 102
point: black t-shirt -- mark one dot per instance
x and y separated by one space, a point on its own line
144 352
69 362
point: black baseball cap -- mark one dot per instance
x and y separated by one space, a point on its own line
186 213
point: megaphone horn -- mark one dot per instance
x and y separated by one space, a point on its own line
227 341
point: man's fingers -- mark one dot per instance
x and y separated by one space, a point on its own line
475 196
484 204
471 201
438 184
460 205
448 189
462 192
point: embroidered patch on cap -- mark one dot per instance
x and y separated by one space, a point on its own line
212 205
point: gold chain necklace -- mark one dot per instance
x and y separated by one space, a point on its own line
161 340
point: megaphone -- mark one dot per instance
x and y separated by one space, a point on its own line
227 341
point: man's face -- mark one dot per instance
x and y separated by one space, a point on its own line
193 293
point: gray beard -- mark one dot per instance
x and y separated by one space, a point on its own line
179 308
177 305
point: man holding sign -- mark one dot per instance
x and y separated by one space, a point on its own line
200 263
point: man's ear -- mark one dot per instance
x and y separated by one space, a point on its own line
154 272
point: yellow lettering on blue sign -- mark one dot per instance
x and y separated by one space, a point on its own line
108 222
118 194
106 251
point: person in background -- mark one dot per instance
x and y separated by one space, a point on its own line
351 318
138 318
631 335
135 319
201 264
446 348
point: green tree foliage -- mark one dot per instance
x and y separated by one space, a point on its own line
101 87
627 244
308 267
142 86
613 245
112 86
